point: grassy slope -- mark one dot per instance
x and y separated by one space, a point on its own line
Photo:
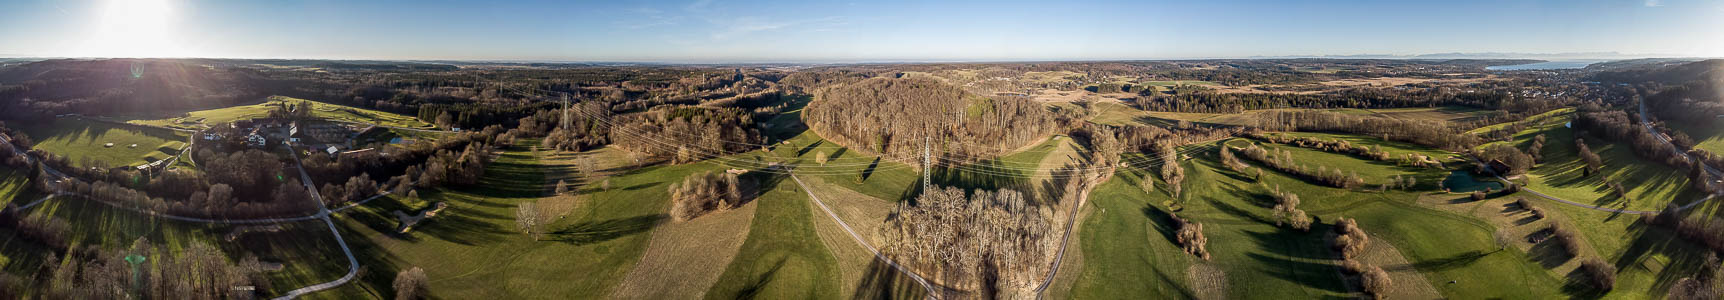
1709 138
1650 184
1374 172
783 257
78 139
13 183
474 250
1264 261
199 119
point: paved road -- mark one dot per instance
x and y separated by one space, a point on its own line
322 213
1065 241
1644 122
933 292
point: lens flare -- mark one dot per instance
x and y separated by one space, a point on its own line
133 28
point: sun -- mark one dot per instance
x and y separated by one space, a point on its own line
133 28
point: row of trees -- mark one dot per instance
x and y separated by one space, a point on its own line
1617 126
1435 134
1283 161
1350 241
1223 102
1372 152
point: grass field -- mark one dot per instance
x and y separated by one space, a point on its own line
1129 252
783 257
1374 172
1549 118
473 250
79 140
1446 113
13 183
1650 184
205 118
1709 138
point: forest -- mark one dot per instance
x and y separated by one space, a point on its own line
871 116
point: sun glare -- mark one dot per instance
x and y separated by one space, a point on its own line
133 28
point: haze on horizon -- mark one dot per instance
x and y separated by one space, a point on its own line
838 31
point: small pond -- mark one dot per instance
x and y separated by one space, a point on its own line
1464 182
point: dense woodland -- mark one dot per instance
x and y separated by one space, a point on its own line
1004 245
875 116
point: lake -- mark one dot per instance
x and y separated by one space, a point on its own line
1464 182
1549 65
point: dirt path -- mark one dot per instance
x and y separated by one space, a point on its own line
867 214
1408 282
1207 281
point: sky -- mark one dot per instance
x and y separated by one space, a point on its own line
849 30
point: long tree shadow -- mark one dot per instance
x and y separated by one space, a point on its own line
753 288
1451 262
1684 256
1163 222
881 281
1548 253
464 230
810 147
599 231
378 266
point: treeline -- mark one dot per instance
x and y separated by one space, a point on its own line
456 159
1372 152
1283 161
1617 126
894 117
1220 102
1426 133
686 133
195 271
114 86
1698 103
988 240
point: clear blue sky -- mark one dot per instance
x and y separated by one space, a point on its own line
816 30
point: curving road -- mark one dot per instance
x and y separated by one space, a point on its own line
322 213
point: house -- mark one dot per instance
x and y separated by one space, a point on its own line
256 140
1497 167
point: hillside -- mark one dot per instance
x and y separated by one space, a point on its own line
894 116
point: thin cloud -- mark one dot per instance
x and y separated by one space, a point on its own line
697 5
749 25
1654 3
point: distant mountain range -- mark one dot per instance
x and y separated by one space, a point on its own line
1485 55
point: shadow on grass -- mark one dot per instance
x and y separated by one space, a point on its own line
599 231
882 281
